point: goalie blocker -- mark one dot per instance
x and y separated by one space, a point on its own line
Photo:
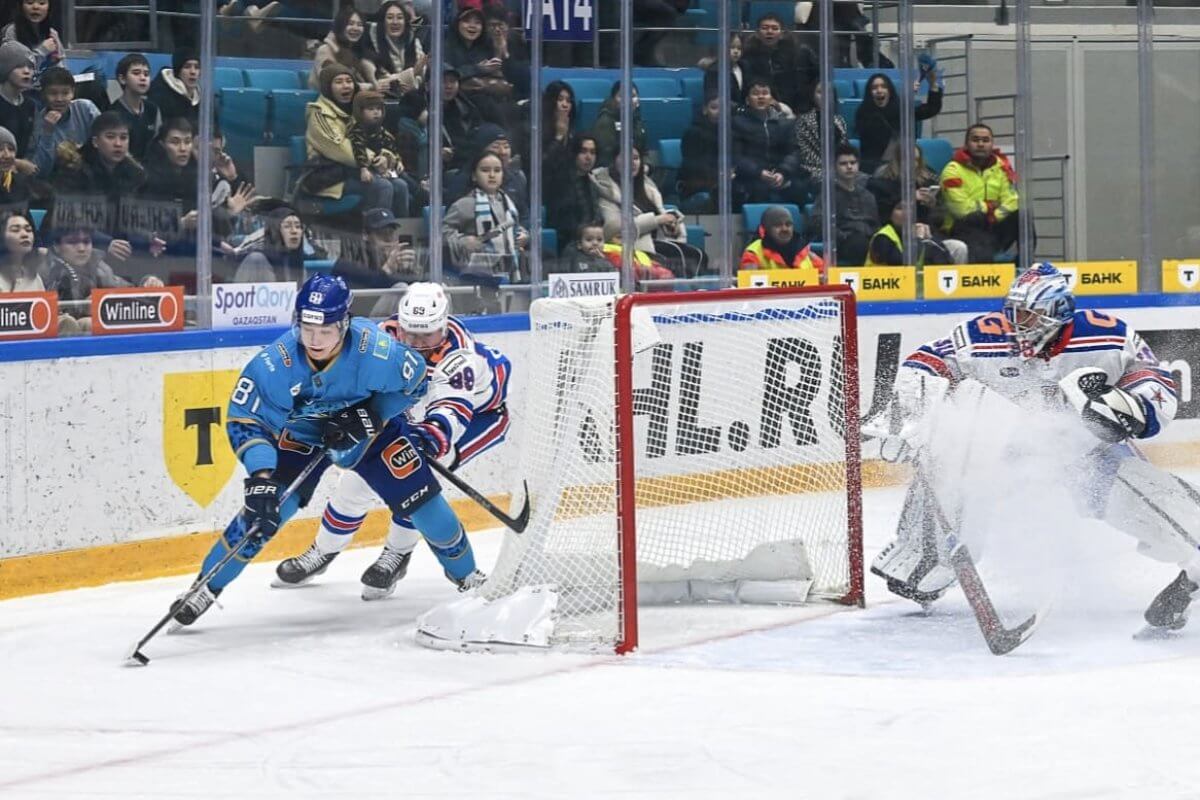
689 447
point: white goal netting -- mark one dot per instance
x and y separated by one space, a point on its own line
739 468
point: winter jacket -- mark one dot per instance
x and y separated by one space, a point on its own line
805 159
760 142
571 200
856 212
791 67
327 134
967 189
143 127
644 220
758 255
607 131
364 68
876 126
575 260
75 126
169 94
700 158
77 283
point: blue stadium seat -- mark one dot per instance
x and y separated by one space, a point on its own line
849 110
37 215
228 78
693 89
752 215
590 88
844 89
860 87
937 153
588 111
550 242
287 112
785 10
274 79
666 117
303 74
670 153
657 87
318 264
243 120
696 234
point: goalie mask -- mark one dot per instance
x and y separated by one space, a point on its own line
1038 306
422 316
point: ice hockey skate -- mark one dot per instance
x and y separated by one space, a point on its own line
1169 610
196 605
472 581
380 579
302 568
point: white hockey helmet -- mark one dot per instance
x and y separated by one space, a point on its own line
423 312
1039 304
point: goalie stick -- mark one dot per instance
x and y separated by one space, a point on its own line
136 657
515 524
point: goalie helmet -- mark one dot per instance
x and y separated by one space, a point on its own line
1039 304
422 316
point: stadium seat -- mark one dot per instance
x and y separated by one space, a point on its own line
666 173
274 79
693 89
937 153
666 117
228 78
752 216
845 89
657 87
37 215
318 264
590 88
550 242
860 88
588 111
849 111
243 120
287 112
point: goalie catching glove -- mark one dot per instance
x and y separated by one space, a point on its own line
349 427
430 438
1110 413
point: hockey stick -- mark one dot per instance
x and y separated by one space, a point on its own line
136 656
1000 640
516 525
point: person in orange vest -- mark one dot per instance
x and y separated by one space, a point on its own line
778 246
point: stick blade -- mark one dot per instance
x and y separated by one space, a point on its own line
1003 641
522 519
136 658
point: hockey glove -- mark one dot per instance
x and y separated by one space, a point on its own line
430 438
1110 413
261 506
350 426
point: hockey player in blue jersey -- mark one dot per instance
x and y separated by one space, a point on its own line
1039 349
462 415
332 388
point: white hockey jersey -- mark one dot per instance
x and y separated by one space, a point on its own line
983 349
466 379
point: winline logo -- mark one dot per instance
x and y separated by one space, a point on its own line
137 310
28 315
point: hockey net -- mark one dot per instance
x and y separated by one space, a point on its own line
693 447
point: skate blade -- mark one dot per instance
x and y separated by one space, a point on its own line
279 583
370 593
1151 634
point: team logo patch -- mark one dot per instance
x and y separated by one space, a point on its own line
364 341
401 459
283 355
195 446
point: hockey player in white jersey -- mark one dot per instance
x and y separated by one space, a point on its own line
462 415
1045 356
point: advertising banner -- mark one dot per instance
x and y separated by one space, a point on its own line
1101 277
137 310
28 315
760 278
1181 275
584 284
250 305
878 283
967 281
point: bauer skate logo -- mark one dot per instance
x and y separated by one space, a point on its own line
195 445
137 310
401 459
28 315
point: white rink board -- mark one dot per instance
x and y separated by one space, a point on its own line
82 454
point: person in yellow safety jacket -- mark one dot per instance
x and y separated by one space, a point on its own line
644 267
778 246
886 248
979 191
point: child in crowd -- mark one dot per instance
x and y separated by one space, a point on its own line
17 110
586 252
375 148
65 119
133 74
32 28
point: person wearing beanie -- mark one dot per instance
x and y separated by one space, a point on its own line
14 187
778 245
17 110
327 136
176 89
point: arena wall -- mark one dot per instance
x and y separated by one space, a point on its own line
117 467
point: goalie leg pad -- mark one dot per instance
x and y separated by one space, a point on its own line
1158 509
911 564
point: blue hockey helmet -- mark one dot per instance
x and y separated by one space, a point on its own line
1039 304
323 300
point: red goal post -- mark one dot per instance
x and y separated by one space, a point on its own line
702 445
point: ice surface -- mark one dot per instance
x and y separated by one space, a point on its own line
313 693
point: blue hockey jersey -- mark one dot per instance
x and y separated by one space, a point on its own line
281 398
